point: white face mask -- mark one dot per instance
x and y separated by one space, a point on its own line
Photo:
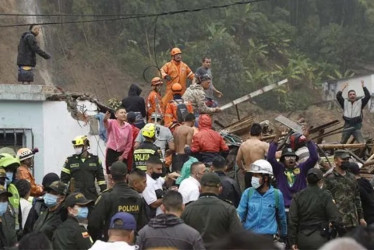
78 151
255 182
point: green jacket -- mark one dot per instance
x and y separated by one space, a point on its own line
49 221
9 234
212 217
84 172
344 190
71 235
311 209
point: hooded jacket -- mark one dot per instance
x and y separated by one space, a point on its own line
300 171
259 212
196 95
133 102
27 49
207 140
168 231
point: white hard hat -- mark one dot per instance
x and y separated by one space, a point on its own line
261 167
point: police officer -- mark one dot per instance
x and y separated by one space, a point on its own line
146 149
311 211
71 234
121 198
82 168
55 213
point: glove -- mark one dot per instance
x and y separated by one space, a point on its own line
168 78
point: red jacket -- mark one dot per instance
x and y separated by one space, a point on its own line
207 140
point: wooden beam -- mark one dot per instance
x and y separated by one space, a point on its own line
341 146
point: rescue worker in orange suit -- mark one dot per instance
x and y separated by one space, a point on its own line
26 157
177 109
154 100
175 71
207 143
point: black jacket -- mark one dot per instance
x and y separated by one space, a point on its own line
133 102
230 189
212 217
167 231
71 235
367 199
27 49
37 208
119 199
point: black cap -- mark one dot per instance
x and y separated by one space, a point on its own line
59 187
49 178
210 180
4 191
354 168
288 152
341 154
118 168
315 171
77 199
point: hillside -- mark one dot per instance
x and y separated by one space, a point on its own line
251 46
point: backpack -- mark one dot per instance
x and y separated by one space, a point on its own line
182 111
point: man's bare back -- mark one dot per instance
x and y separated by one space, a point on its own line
182 137
251 150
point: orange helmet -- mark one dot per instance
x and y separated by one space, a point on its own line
175 51
176 88
156 81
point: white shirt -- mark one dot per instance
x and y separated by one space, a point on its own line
25 210
149 193
118 245
189 189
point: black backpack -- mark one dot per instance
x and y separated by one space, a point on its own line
182 111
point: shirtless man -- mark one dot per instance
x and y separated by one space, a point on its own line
182 138
251 150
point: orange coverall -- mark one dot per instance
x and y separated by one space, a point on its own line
23 172
154 104
179 72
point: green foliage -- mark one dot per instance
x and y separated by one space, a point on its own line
251 45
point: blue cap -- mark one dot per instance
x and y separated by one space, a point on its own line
123 221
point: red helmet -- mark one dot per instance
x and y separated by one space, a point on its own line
175 51
156 81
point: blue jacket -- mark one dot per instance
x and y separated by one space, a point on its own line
258 212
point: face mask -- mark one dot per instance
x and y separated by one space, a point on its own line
50 200
3 207
255 182
78 151
344 165
9 175
82 213
155 176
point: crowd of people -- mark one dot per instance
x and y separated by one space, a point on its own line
165 183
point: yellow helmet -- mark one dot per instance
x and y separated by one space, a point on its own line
149 130
80 141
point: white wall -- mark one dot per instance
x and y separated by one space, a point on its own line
59 130
53 128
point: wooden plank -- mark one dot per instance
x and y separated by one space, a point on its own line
253 94
324 126
341 146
